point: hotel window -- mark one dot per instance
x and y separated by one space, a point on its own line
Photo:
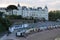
33 14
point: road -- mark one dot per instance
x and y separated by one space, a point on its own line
44 35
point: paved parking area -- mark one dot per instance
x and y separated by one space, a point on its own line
46 24
44 35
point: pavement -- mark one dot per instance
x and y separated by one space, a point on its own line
57 39
44 35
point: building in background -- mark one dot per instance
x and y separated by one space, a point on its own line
36 13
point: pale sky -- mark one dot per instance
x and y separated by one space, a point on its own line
52 4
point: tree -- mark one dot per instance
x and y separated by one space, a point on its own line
43 19
11 8
4 23
54 15
14 16
1 13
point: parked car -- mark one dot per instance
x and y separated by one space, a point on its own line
20 33
36 29
58 26
29 31
54 26
43 28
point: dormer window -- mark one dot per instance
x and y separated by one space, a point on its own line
46 7
18 5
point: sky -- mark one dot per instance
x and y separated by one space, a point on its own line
51 4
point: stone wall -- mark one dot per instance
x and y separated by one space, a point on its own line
21 21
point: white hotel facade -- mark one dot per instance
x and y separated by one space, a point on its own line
29 12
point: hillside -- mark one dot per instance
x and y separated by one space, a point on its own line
4 24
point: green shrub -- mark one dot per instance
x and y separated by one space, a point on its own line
4 24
